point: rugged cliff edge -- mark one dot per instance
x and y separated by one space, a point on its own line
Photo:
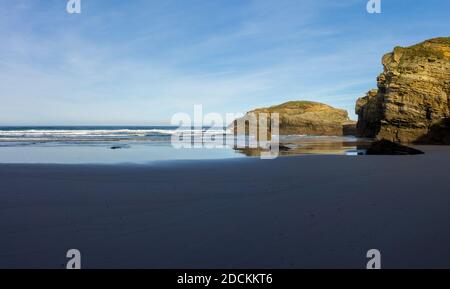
308 118
412 102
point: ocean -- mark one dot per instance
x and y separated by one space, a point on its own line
144 144
32 135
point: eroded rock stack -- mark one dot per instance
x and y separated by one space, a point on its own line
309 118
412 102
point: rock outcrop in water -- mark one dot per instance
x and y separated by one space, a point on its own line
308 118
412 102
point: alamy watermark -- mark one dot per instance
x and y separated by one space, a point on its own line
374 256
374 6
259 131
73 6
74 262
74 256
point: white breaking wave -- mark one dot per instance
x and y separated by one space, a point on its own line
101 134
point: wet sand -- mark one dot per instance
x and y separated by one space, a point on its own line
291 212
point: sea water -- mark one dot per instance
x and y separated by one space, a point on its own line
139 144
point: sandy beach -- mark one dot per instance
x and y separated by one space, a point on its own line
292 212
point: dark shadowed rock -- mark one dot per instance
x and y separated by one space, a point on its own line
438 133
118 147
385 147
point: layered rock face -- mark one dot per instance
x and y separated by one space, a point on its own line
412 102
307 118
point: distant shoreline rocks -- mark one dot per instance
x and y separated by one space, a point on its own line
305 118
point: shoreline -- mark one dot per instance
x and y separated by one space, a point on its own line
143 152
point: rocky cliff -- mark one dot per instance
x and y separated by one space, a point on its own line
309 118
412 102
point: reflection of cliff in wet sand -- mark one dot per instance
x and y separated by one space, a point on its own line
300 145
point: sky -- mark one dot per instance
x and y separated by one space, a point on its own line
138 62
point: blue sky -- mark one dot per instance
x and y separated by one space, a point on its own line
138 62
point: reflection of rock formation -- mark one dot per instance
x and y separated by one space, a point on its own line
298 145
256 152
412 103
306 118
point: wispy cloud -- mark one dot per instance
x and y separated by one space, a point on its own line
139 62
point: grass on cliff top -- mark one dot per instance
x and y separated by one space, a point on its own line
307 110
300 104
438 48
